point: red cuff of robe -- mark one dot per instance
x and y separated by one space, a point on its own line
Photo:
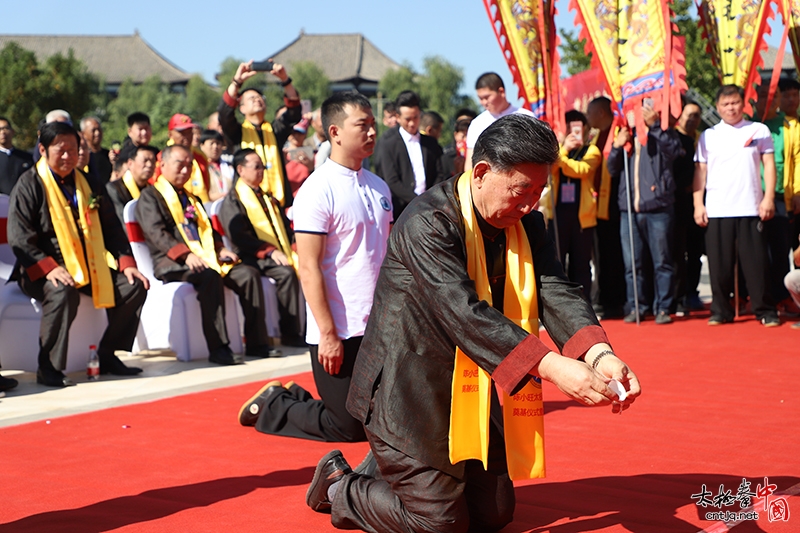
126 261
229 100
517 365
577 346
178 252
264 251
41 269
290 102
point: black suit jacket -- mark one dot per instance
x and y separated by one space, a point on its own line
11 168
33 238
425 303
240 231
119 195
163 238
393 164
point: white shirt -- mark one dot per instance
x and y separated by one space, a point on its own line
733 155
414 150
486 119
6 151
354 209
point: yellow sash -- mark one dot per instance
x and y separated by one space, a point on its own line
85 267
270 229
204 248
270 155
523 413
130 184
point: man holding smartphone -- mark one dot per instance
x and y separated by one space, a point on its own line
572 205
257 133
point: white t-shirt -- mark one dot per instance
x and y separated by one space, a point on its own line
485 119
733 155
354 209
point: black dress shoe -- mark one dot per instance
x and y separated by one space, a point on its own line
294 342
248 413
56 379
110 364
263 351
7 383
224 356
330 469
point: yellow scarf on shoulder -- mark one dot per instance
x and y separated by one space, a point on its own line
523 414
268 225
270 155
88 266
204 248
130 184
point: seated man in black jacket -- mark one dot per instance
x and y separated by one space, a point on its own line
254 223
61 228
141 163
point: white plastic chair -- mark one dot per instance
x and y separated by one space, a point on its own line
21 316
271 312
171 316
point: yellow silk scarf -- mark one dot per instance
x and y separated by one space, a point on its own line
523 413
130 184
270 229
270 155
92 266
204 248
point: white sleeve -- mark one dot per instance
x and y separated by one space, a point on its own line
312 208
764 141
701 154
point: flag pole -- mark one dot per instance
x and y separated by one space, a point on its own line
630 235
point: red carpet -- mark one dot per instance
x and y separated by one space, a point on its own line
719 404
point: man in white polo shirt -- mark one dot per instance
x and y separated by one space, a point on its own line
342 216
492 95
728 161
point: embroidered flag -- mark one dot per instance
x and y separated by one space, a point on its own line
527 35
734 32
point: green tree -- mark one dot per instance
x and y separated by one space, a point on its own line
29 89
700 72
573 53
311 82
153 97
201 100
437 88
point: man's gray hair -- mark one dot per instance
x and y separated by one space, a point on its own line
56 114
85 121
516 140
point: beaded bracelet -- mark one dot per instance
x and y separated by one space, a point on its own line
600 356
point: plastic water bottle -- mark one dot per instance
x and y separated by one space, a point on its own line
93 366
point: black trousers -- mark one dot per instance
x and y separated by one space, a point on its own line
60 306
295 413
287 287
689 247
609 266
412 497
722 235
245 281
576 243
777 232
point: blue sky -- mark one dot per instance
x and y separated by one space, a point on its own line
198 35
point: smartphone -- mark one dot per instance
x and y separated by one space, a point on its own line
305 106
263 66
648 102
576 128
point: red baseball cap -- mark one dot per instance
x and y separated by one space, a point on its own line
180 122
